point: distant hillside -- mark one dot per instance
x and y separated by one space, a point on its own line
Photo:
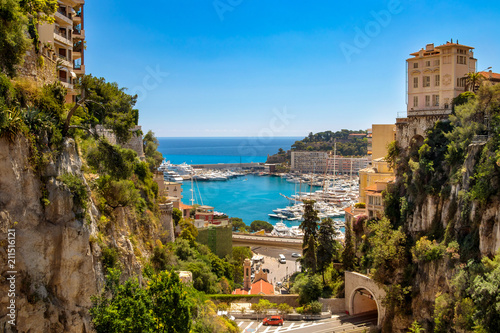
349 143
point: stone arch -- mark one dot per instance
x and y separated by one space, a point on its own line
417 141
358 285
360 302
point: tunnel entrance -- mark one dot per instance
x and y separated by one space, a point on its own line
363 301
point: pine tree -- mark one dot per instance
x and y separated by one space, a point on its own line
327 246
348 255
310 228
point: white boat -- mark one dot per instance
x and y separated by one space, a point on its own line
280 229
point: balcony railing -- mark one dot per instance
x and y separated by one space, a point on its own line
429 112
479 139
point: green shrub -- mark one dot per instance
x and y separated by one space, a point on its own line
109 257
426 250
77 187
313 308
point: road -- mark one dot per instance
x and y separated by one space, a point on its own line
251 240
277 271
342 323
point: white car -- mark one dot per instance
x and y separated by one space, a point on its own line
296 255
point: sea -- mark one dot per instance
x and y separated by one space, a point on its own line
250 197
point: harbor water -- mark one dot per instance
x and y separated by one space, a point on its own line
250 197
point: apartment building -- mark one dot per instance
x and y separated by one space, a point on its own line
318 162
64 42
436 75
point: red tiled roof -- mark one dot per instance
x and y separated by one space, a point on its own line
487 75
240 292
348 210
183 206
262 287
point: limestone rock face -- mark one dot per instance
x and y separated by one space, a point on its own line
443 210
57 269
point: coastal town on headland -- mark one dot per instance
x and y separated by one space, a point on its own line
391 228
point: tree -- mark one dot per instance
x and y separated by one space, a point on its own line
13 40
238 224
327 246
103 103
309 260
119 193
258 225
127 310
189 232
309 288
117 162
153 156
176 215
387 251
171 307
486 294
473 81
310 228
348 255
162 306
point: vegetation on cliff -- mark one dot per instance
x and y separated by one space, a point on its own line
457 165
325 141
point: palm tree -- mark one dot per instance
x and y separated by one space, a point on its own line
473 81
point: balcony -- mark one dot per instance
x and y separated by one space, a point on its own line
64 61
80 34
61 17
63 38
436 111
79 70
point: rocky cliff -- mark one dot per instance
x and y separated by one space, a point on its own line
57 269
58 261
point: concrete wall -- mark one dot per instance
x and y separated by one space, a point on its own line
353 304
334 305
135 143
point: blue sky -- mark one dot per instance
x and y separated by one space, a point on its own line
274 68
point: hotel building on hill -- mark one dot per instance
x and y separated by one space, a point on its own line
435 76
64 42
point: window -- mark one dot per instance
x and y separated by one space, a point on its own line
427 100
461 82
428 63
427 81
437 80
435 100
415 101
436 62
461 51
461 60
415 82
415 65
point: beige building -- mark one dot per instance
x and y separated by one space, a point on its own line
64 42
382 135
173 191
318 162
374 198
436 75
378 172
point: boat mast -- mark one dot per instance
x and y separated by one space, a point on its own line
350 179
192 192
334 165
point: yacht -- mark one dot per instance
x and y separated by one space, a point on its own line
280 229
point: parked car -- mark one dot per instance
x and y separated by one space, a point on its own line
273 320
296 255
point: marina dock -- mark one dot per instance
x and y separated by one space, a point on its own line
229 166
